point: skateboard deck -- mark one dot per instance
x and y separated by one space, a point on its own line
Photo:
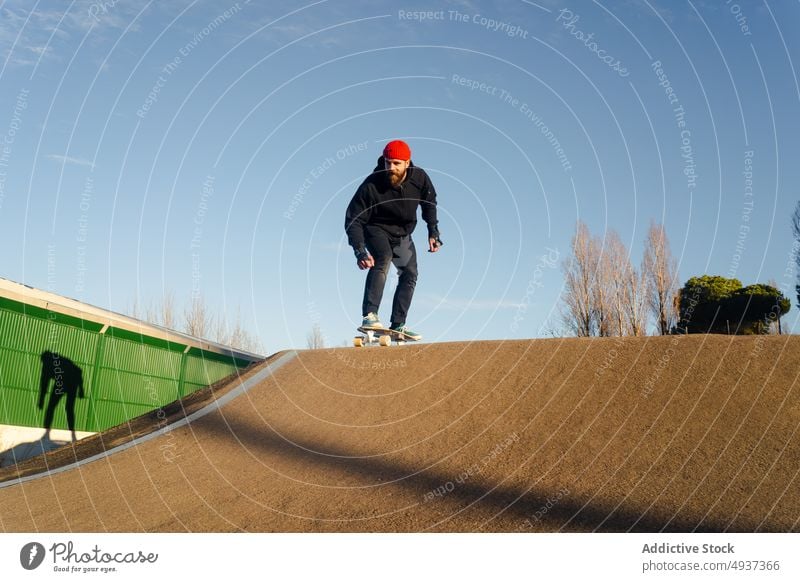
382 336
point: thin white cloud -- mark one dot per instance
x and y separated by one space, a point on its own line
26 33
70 160
320 25
334 247
460 304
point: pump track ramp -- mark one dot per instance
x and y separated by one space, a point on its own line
695 433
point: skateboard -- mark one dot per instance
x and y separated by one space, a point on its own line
381 336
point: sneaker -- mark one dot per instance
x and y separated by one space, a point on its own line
403 328
371 321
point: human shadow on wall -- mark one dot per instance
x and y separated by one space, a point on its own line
66 379
62 378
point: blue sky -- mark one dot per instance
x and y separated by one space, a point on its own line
212 147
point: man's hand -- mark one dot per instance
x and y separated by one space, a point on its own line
434 244
366 263
364 260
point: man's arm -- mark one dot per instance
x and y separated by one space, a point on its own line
44 381
429 215
81 393
357 215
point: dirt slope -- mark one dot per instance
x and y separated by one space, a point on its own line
653 434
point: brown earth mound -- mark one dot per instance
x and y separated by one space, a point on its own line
694 433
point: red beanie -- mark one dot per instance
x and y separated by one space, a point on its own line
397 150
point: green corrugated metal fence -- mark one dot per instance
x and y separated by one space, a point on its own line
125 374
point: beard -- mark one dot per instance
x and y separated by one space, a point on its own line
395 177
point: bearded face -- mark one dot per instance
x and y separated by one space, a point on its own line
396 171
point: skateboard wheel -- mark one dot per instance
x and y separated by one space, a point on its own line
358 342
385 340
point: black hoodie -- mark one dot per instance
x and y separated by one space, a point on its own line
392 208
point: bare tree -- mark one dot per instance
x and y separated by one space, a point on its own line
235 336
161 313
796 227
613 268
601 292
625 289
196 320
635 289
579 315
554 330
151 313
796 247
315 340
133 310
661 273
619 290
244 340
219 330
168 310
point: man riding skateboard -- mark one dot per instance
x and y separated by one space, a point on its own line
379 221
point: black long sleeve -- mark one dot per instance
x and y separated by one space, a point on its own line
392 208
429 214
358 214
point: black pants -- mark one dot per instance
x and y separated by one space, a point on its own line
386 249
